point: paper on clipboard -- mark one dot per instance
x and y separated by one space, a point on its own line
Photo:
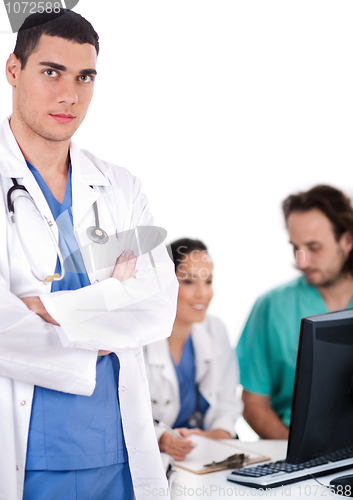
208 450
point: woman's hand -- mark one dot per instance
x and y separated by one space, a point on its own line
125 266
175 447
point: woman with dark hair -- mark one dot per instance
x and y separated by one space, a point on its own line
193 374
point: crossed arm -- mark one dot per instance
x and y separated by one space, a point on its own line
123 270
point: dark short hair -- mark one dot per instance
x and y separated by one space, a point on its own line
64 24
179 249
331 202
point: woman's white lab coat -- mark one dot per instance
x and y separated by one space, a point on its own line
217 374
110 315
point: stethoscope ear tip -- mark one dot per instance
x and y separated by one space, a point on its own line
54 277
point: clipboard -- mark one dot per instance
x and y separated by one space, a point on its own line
207 450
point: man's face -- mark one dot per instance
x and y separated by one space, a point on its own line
318 255
52 93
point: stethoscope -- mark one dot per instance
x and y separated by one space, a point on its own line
95 233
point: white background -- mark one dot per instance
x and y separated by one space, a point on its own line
222 108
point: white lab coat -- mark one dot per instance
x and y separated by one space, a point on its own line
217 374
121 317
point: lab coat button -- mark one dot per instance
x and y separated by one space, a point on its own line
96 281
17 467
134 450
167 402
23 403
123 388
50 222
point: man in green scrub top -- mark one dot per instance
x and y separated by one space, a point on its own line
320 227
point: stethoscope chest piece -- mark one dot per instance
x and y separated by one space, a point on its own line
97 235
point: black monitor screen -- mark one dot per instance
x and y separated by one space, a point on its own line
322 410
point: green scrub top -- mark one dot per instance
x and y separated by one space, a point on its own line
267 349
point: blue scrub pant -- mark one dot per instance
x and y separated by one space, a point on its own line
105 483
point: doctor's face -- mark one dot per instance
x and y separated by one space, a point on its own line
194 274
52 93
319 256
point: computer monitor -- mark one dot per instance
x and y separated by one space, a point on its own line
322 408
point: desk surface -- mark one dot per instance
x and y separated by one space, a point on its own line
215 485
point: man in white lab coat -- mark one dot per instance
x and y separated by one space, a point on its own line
69 346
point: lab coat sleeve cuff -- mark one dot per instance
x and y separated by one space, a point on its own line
225 424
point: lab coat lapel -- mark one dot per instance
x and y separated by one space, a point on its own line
13 165
84 175
158 354
205 349
12 162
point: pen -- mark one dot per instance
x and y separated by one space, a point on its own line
169 429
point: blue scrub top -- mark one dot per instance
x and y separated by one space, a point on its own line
190 397
68 431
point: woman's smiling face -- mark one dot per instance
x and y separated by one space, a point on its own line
194 274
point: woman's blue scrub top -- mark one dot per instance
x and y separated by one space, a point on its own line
190 397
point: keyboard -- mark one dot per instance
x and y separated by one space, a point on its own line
281 473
